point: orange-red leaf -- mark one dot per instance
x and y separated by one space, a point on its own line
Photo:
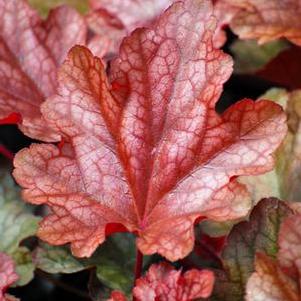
31 50
7 275
146 148
267 20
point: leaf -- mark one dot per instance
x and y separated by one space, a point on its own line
31 50
251 57
112 20
115 268
163 282
284 69
259 234
147 149
16 223
132 13
284 181
53 259
224 14
289 255
114 261
7 275
269 283
267 20
279 280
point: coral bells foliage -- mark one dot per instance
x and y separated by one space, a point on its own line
31 51
163 283
114 19
128 13
144 147
7 276
279 279
265 20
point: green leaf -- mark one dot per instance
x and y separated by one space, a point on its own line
260 233
53 260
24 265
43 6
116 264
250 57
114 261
16 223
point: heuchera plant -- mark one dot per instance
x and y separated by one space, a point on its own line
157 194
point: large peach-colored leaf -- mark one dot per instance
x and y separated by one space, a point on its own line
267 20
163 283
147 149
7 276
31 50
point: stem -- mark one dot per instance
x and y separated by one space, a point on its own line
6 153
138 267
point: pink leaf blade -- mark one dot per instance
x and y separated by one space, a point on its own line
150 154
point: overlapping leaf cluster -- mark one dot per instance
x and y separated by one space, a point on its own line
122 98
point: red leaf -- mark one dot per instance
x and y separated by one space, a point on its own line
30 52
163 282
152 154
7 275
284 69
